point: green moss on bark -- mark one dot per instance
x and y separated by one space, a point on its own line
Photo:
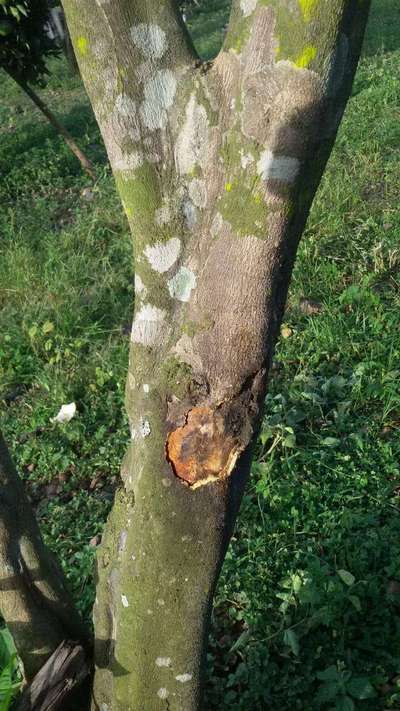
141 195
243 208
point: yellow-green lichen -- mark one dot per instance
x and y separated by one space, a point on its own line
243 208
82 45
307 8
306 57
312 24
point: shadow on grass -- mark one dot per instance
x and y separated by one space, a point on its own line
39 135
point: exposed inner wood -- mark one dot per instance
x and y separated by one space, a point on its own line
202 450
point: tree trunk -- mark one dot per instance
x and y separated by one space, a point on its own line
33 597
84 161
217 165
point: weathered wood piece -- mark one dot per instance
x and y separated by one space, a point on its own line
57 680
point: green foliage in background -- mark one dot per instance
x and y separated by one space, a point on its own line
25 46
307 613
10 672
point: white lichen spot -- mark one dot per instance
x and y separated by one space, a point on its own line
150 39
124 601
163 661
159 94
184 678
139 286
162 693
277 167
162 216
160 602
181 285
248 6
145 429
191 146
246 160
166 482
146 388
198 192
148 326
149 612
163 255
125 105
103 707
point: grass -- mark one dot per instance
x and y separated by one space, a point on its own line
307 609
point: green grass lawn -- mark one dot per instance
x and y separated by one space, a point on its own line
307 613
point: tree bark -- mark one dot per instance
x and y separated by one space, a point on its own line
72 145
216 165
33 597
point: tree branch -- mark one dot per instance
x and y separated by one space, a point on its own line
132 57
59 127
322 36
33 597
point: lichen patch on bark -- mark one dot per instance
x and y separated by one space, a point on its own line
162 256
201 450
150 39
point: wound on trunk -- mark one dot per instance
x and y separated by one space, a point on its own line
205 448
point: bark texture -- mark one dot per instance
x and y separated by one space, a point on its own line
217 165
33 597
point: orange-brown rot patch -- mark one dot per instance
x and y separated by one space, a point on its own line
201 450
